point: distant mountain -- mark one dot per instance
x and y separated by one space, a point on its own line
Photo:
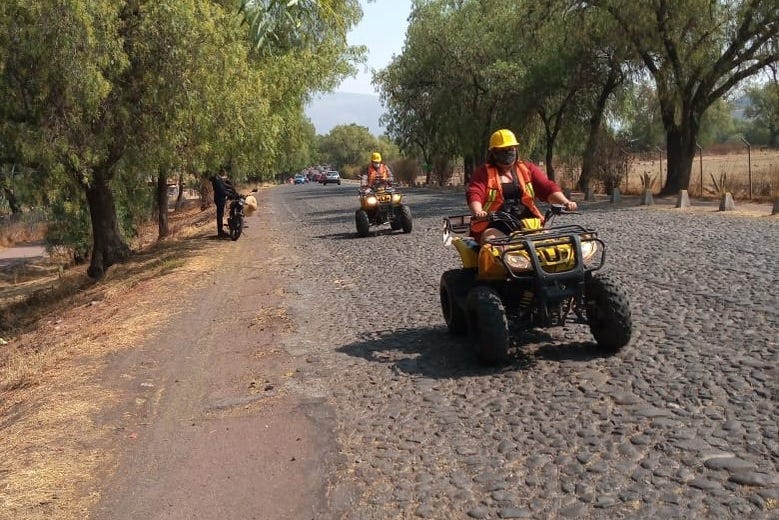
342 108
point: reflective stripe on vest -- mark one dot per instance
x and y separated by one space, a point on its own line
382 173
495 189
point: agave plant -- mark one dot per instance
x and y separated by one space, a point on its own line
722 185
647 180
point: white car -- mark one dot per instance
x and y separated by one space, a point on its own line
331 177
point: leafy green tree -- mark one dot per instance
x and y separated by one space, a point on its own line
764 108
718 124
596 65
347 145
638 117
105 95
696 51
457 54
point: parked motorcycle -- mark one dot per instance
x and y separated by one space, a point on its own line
241 206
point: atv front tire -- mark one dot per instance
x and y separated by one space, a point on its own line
405 218
361 220
608 312
487 325
453 289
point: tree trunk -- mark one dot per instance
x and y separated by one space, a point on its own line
13 202
590 149
551 135
162 204
468 168
206 193
180 195
108 247
549 155
680 142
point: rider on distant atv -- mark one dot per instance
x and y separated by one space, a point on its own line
506 183
376 172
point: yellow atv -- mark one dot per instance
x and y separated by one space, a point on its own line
534 277
381 204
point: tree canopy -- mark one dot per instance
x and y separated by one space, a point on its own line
558 73
99 96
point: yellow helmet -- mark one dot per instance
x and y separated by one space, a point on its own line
502 139
375 157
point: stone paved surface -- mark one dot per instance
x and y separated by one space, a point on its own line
683 423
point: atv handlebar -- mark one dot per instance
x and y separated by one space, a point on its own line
558 209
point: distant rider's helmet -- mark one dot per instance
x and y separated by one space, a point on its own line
375 157
503 139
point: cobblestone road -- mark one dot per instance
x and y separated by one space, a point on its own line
682 424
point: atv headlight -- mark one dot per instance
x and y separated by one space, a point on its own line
371 200
590 251
396 198
518 261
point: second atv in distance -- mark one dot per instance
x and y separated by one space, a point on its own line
381 204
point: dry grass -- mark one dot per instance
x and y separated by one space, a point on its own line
58 341
21 233
735 168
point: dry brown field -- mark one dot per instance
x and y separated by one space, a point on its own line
729 169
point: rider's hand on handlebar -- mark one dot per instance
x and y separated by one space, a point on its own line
570 206
479 214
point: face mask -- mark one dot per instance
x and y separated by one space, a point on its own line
376 165
505 156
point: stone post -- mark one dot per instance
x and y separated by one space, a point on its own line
726 202
589 194
647 199
683 199
616 196
775 211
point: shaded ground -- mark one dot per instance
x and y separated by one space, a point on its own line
160 392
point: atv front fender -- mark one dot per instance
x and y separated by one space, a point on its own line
469 251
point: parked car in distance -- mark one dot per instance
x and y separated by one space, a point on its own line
300 178
331 177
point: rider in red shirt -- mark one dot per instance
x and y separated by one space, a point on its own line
506 181
377 171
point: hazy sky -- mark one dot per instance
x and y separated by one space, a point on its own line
382 30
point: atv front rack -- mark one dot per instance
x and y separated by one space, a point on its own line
458 224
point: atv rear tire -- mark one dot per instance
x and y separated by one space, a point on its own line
361 220
453 290
487 325
405 218
608 312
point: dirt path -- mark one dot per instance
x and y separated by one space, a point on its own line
13 255
206 426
